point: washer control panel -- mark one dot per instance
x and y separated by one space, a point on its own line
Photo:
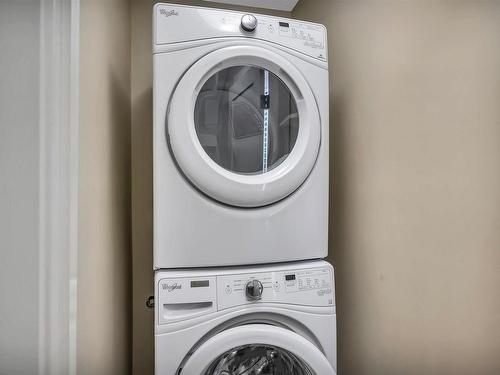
309 287
187 294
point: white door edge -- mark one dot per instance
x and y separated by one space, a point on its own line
58 168
262 334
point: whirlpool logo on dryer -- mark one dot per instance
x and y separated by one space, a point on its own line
168 13
170 287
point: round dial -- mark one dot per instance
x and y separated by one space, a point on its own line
254 290
248 22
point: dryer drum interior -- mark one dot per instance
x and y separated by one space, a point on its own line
246 119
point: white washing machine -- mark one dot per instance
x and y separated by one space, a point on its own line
266 320
240 138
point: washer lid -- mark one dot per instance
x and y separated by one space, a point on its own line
257 346
244 126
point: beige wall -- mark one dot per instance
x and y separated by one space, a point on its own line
415 148
415 213
104 269
142 190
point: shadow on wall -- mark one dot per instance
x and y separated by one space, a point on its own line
121 234
142 218
104 238
338 213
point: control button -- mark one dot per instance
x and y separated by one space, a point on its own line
248 22
228 289
254 290
277 286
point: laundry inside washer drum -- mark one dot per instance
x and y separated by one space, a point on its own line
258 360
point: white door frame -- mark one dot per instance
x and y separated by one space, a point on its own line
59 102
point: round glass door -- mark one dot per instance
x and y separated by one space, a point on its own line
243 126
256 349
258 360
246 119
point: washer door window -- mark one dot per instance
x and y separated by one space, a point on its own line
244 126
257 349
258 359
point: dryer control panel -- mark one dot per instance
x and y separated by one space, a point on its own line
179 23
188 294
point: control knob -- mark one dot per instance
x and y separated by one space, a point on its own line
249 22
254 290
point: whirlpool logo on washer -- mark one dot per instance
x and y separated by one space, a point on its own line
170 287
168 13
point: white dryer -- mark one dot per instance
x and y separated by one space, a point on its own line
248 320
240 138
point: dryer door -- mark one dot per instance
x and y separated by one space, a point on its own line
257 349
243 126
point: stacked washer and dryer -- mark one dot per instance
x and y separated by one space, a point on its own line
241 195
